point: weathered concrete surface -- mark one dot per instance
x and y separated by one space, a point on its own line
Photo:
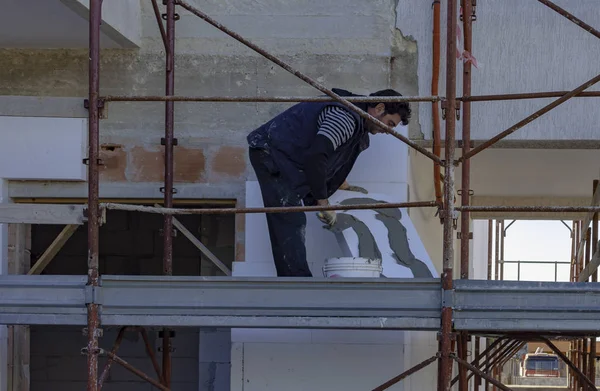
352 44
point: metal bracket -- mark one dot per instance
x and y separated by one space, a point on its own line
99 161
93 295
447 298
459 235
163 141
444 106
460 192
457 110
439 336
99 332
162 190
176 17
455 219
473 11
101 107
161 232
84 351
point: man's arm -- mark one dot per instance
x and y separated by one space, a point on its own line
336 126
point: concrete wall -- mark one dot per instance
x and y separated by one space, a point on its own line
211 151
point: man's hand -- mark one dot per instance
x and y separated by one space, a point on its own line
348 187
326 216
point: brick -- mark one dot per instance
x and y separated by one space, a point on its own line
145 165
114 162
188 165
230 161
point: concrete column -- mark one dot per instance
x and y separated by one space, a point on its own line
3 270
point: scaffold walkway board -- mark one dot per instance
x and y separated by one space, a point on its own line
393 304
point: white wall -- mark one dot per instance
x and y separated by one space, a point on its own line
521 46
42 148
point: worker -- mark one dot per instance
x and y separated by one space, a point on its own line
302 156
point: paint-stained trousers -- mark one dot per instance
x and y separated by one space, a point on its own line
286 230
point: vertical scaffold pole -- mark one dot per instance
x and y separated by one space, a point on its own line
445 372
93 318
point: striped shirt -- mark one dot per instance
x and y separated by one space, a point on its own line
337 124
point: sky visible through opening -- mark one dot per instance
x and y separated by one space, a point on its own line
537 240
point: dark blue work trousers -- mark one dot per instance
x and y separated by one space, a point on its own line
286 230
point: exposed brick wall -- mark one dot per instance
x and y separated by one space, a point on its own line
131 244
146 164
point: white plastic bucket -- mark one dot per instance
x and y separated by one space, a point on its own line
352 267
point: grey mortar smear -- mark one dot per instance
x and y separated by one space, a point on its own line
397 236
367 247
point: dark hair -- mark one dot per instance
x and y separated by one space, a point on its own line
402 108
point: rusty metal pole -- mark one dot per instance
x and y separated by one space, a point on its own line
572 278
405 374
593 352
530 118
477 360
502 236
490 246
465 230
571 17
497 252
448 249
477 377
168 185
93 313
482 374
583 378
585 352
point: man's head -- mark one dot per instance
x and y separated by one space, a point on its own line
390 114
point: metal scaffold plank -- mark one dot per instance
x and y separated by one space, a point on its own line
42 214
526 306
225 302
43 300
264 303
400 304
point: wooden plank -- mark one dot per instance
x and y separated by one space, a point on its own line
586 224
53 249
592 266
201 247
42 214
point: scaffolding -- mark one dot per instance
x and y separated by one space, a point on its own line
514 312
